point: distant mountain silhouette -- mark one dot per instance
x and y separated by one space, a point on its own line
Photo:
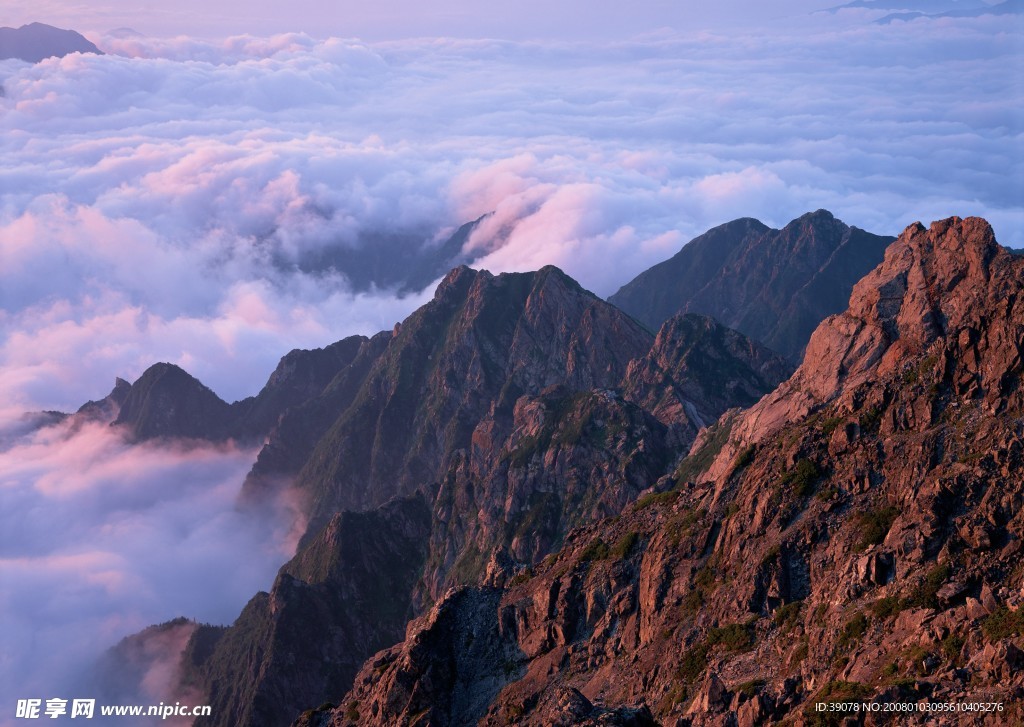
403 262
908 6
36 41
912 9
1010 7
775 286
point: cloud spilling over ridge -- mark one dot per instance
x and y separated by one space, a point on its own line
99 539
166 201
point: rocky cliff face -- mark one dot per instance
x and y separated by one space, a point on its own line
773 285
516 386
696 370
854 536
566 458
482 342
344 595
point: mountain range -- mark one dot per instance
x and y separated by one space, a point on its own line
904 10
36 41
526 506
773 285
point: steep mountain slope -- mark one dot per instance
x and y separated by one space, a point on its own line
166 402
141 667
302 424
300 376
483 341
773 285
565 458
36 41
697 369
107 408
291 646
527 367
854 536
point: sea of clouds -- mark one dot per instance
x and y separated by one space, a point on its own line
157 204
158 201
99 539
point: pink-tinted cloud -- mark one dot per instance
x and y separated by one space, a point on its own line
99 539
180 193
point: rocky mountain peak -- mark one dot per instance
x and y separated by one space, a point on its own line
931 282
815 218
920 274
167 401
774 286
857 538
483 341
943 298
456 282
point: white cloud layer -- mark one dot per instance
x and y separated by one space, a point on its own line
159 202
99 539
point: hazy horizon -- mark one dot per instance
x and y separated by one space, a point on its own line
400 19
173 186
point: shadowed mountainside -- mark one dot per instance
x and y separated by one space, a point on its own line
775 286
853 536
340 598
168 403
36 41
515 390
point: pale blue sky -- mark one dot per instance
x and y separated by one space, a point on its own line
389 19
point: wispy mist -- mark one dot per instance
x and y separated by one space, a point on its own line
161 202
99 539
